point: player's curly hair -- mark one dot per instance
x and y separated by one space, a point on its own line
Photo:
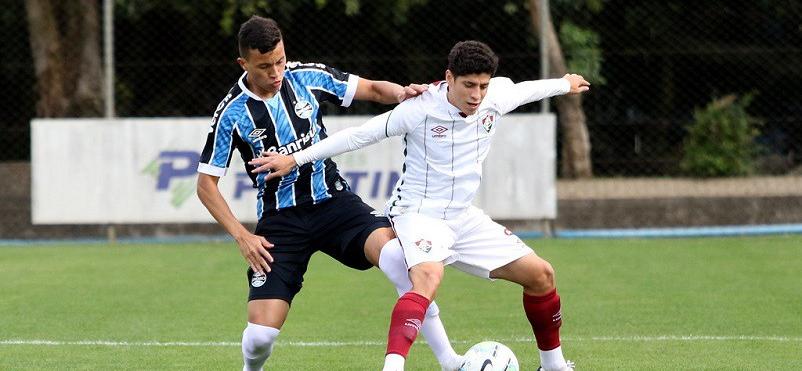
469 57
258 33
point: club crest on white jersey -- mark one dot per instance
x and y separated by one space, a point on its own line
487 121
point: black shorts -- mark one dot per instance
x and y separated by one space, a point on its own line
338 227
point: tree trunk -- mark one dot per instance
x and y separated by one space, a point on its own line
64 37
576 140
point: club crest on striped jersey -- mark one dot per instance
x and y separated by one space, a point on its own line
487 121
303 109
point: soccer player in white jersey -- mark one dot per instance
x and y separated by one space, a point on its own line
447 131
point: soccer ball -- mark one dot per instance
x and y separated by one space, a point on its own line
489 356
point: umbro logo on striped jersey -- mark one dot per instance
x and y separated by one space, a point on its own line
256 133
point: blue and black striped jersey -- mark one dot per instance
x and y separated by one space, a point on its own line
285 123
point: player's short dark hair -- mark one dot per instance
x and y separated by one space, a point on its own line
258 33
469 57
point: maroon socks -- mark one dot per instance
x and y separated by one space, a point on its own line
406 321
544 315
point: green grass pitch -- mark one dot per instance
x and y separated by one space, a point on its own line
653 304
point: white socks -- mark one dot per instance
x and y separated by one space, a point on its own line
437 338
552 359
393 362
394 266
257 344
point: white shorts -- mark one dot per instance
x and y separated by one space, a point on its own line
471 242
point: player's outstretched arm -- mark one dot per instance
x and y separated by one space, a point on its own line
508 96
386 92
252 247
350 139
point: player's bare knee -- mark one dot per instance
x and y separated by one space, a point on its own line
375 243
541 277
430 277
426 277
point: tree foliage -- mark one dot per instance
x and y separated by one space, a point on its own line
581 45
720 141
660 59
396 10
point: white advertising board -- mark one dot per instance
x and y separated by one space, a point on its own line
124 171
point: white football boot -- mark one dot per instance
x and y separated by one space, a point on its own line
453 364
569 366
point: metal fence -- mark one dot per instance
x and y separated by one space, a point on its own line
655 66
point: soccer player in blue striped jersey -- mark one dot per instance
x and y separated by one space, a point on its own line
275 107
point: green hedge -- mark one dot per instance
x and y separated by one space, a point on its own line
721 141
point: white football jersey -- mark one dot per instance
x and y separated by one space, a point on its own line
444 151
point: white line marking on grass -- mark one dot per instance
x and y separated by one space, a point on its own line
121 343
334 344
687 338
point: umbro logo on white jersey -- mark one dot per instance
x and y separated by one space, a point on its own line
439 131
